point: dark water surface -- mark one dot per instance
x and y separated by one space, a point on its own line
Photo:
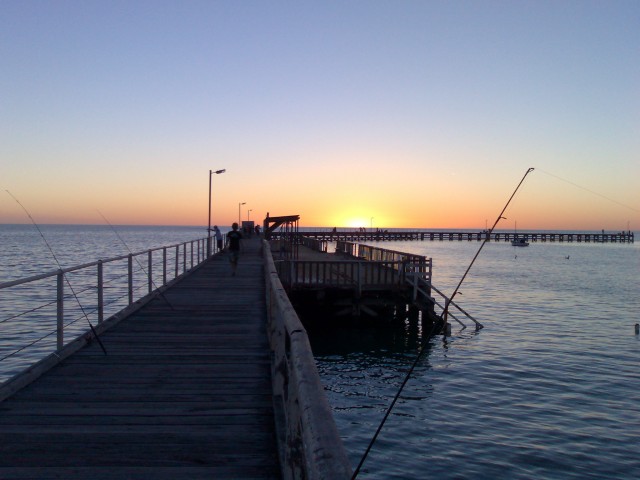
550 388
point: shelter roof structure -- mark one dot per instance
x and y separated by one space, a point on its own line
290 223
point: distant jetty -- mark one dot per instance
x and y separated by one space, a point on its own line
451 235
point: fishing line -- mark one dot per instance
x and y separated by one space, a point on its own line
589 190
426 339
84 313
395 399
136 258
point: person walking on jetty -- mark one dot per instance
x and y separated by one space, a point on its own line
218 234
233 244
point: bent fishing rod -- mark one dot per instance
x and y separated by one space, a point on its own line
426 339
445 313
84 313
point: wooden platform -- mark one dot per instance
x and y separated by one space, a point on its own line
184 392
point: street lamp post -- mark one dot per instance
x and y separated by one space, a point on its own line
240 204
248 212
211 172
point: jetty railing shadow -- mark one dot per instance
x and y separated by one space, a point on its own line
102 289
309 443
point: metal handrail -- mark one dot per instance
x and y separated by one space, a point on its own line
186 255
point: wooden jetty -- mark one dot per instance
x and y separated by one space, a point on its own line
356 279
208 376
450 235
214 378
360 280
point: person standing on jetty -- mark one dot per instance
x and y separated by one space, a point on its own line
233 244
218 234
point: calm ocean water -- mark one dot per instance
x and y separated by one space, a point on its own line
28 313
24 252
550 388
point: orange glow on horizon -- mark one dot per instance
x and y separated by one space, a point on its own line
541 204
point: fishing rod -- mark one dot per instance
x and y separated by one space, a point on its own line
84 313
136 258
445 313
427 338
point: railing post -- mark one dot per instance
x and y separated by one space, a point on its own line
164 265
293 273
184 257
150 270
177 260
100 292
130 275
60 311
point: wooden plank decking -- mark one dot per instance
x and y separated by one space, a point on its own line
184 392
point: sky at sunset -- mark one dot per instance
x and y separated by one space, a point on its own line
349 113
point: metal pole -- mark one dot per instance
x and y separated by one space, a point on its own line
239 204
60 310
100 292
209 246
209 225
130 275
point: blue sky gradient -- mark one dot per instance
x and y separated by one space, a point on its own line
416 113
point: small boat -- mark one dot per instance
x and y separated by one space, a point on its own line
519 242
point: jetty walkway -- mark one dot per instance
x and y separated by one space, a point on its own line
184 392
